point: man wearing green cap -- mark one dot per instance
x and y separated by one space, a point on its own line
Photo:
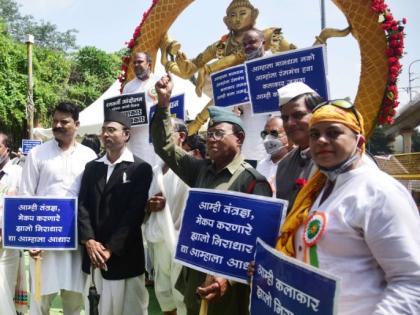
224 170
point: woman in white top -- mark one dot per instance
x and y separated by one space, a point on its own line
355 221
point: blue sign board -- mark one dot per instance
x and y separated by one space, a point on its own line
28 144
230 87
176 108
219 230
132 105
284 285
40 223
266 75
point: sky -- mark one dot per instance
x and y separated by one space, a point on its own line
108 24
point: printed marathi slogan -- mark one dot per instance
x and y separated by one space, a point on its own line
132 105
219 230
230 87
40 223
267 75
283 285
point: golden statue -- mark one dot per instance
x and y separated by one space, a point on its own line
241 16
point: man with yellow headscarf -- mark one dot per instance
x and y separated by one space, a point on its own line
355 221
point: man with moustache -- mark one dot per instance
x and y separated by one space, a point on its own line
144 82
55 169
112 199
224 170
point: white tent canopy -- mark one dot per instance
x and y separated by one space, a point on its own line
91 117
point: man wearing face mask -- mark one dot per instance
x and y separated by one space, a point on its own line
143 82
276 145
253 45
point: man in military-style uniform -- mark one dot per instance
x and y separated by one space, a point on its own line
224 170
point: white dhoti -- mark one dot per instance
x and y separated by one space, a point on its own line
72 303
9 263
166 274
119 297
61 272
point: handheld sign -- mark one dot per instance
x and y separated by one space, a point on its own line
40 223
266 75
219 230
230 87
28 144
176 108
284 285
132 105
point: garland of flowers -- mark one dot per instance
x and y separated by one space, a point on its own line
126 58
395 48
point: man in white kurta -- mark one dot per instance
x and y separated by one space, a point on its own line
55 169
371 242
144 81
10 175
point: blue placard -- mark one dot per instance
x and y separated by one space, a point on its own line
230 87
28 144
132 105
219 230
284 285
176 108
43 223
266 75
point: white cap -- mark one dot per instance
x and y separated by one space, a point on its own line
292 90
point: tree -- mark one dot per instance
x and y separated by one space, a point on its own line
93 71
415 141
45 33
378 142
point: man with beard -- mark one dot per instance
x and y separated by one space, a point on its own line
144 82
112 199
55 169
224 170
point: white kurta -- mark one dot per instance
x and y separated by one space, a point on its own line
50 171
139 142
161 231
269 169
372 243
253 147
9 258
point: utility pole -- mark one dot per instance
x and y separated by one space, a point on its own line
322 14
410 79
30 105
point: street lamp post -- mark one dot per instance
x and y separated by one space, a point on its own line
409 77
322 14
30 105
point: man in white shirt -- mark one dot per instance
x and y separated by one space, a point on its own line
276 145
55 169
112 200
10 175
144 81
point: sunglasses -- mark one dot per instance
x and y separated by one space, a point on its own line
340 103
273 133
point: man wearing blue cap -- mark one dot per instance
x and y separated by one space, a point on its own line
112 199
224 170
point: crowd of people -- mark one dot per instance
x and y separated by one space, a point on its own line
314 158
